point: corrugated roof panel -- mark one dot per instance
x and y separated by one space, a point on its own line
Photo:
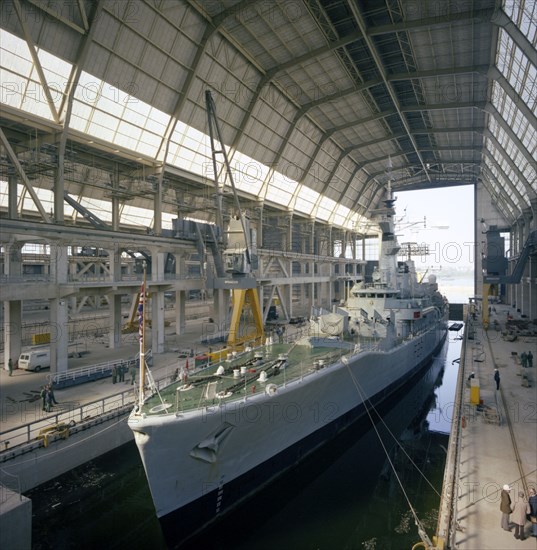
140 17
164 35
153 61
130 46
106 31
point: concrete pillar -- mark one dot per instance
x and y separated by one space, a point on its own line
180 295
59 330
180 312
116 319
157 303
288 296
12 309
290 233
221 300
260 226
157 208
115 263
12 331
12 181
532 298
116 322
115 202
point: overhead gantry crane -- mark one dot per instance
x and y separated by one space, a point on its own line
236 258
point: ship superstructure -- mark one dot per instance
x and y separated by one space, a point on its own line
210 441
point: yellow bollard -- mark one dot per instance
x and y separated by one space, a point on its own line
474 392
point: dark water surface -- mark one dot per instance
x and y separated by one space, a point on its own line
345 496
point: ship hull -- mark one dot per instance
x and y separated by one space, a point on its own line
201 465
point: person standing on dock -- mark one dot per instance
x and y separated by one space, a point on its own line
505 507
520 510
52 397
529 359
133 374
43 395
497 378
10 366
533 511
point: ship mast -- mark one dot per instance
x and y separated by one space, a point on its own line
141 335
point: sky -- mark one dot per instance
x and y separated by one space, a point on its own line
449 225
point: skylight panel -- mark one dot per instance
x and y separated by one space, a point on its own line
499 183
516 68
306 199
280 190
21 86
34 100
58 69
157 121
149 143
102 209
4 195
88 88
15 54
167 220
45 196
189 150
248 174
133 215
127 140
516 120
341 214
325 209
12 87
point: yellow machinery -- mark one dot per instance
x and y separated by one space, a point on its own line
488 290
245 301
237 260
485 304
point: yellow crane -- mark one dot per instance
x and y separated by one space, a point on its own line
238 258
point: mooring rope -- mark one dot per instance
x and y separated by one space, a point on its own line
421 530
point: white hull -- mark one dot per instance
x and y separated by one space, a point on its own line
263 427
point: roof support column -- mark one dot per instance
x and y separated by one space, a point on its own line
157 302
116 320
180 295
59 336
12 182
115 201
13 308
114 334
157 205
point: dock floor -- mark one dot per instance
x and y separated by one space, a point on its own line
496 450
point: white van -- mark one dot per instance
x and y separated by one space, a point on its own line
35 359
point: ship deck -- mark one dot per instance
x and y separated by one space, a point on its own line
242 376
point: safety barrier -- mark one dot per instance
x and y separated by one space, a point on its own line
91 373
